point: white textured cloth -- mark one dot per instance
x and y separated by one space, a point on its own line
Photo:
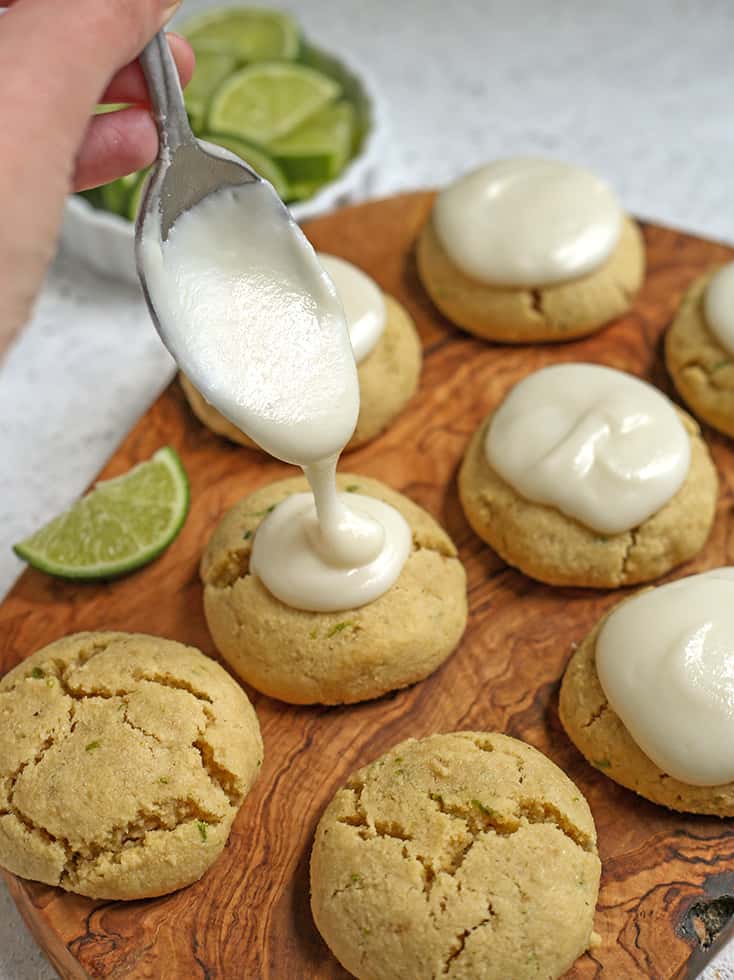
639 92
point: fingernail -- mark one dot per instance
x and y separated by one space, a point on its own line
168 9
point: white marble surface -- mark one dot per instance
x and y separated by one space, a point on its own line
640 92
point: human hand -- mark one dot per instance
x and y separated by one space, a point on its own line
59 59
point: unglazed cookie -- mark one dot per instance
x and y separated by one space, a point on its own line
388 378
124 759
605 742
462 855
547 545
701 368
515 315
340 657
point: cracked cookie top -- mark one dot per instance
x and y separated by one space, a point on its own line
333 657
460 855
123 761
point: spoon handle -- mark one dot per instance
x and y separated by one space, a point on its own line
165 93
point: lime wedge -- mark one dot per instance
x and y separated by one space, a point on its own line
317 149
116 195
260 162
302 190
264 102
248 33
119 526
212 67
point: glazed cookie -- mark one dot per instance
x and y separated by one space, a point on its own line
701 367
460 855
341 657
687 736
526 263
547 543
388 371
124 759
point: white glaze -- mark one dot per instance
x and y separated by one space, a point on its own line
289 557
719 307
528 222
601 446
665 660
255 322
362 300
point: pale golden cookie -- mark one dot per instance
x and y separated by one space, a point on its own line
124 759
549 313
333 658
388 379
467 855
702 370
546 545
600 736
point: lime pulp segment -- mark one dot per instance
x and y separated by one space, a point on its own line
248 34
264 102
119 526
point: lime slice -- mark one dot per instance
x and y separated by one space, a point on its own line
303 190
106 107
248 33
116 195
318 149
121 525
212 67
264 102
260 162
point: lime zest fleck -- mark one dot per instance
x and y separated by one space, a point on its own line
340 627
601 763
91 746
355 878
247 535
262 513
720 364
352 488
37 673
203 829
313 633
163 779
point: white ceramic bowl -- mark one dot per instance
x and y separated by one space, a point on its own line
105 240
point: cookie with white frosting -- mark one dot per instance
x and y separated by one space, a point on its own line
647 696
587 476
467 854
530 250
307 656
386 347
699 349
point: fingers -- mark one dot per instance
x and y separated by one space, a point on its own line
70 51
128 85
116 143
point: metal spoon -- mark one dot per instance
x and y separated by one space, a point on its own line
186 171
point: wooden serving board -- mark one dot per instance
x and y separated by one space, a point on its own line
249 917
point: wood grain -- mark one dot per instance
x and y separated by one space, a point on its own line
249 917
